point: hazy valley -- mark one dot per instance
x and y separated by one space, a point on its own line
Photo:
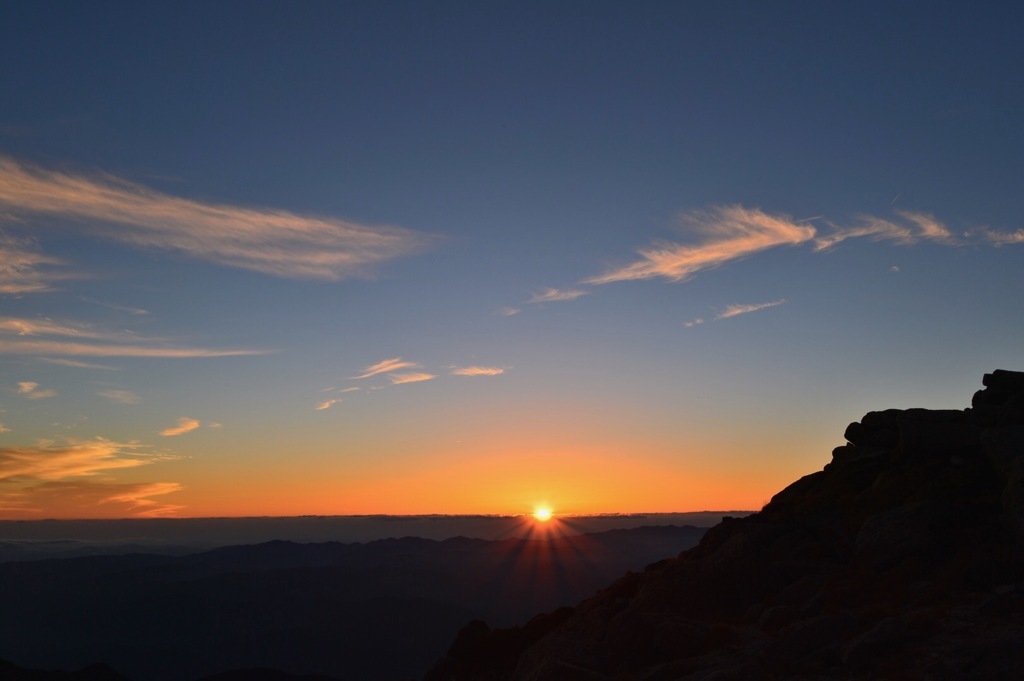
385 609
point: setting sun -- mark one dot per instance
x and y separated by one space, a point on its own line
542 514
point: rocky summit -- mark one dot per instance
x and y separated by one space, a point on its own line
903 558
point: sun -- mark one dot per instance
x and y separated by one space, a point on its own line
542 513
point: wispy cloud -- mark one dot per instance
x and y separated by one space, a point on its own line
18 336
326 404
10 346
25 270
928 227
915 227
398 379
138 311
508 311
477 371
47 327
869 226
387 366
121 396
554 295
265 240
85 498
75 363
30 389
734 311
4 429
185 425
336 389
137 497
71 479
737 310
728 233
997 238
51 461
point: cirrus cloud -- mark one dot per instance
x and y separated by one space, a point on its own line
185 425
997 238
137 498
22 326
728 233
76 364
265 240
42 347
477 371
21 336
915 227
85 498
120 396
386 366
74 458
737 310
399 379
30 390
554 295
24 269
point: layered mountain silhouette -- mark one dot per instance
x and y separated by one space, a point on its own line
903 558
376 611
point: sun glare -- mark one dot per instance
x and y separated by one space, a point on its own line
542 514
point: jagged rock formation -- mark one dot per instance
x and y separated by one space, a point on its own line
903 558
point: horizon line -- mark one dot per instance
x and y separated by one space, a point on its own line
377 515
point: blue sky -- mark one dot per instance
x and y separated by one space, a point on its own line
609 257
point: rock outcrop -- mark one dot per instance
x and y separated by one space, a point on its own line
902 558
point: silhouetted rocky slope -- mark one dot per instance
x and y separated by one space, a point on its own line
903 558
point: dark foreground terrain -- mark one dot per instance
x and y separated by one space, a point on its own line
381 610
902 559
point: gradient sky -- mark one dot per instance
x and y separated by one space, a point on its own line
275 258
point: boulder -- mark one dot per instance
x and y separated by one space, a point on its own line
876 429
937 433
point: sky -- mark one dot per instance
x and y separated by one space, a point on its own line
276 258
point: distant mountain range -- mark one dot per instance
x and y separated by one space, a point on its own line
37 539
383 610
902 559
